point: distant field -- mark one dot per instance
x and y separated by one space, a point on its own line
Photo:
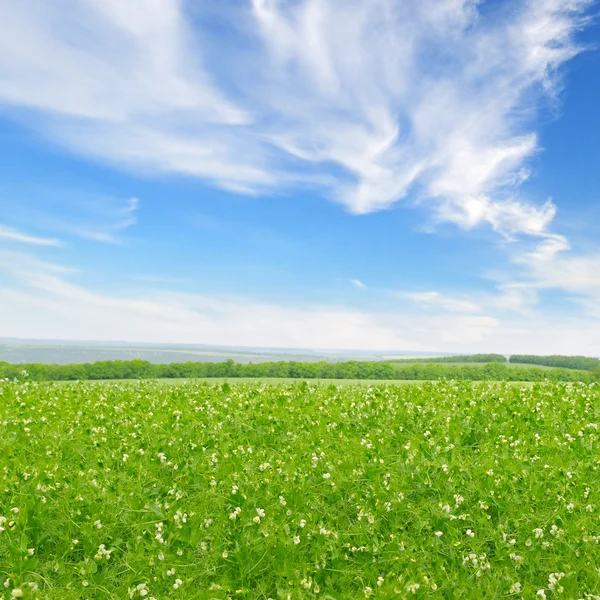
401 364
68 353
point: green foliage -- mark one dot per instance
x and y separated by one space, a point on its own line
581 363
251 491
596 374
569 362
138 369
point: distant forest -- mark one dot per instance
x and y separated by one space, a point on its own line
138 369
582 363
568 362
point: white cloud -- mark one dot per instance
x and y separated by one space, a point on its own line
516 298
359 284
79 214
573 273
369 98
14 235
111 61
105 219
42 300
438 300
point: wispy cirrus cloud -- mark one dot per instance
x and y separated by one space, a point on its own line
104 219
372 100
14 235
448 303
358 283
72 214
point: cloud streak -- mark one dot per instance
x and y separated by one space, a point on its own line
14 235
372 100
75 214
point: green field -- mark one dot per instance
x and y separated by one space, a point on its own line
238 380
268 381
292 491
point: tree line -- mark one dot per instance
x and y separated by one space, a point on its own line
583 363
139 369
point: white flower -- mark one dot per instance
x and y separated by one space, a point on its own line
260 512
412 588
439 533
538 532
516 557
553 582
541 594
177 583
556 531
368 592
140 588
327 476
17 593
102 553
302 523
470 533
296 539
515 588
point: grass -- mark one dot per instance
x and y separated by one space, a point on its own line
269 381
292 491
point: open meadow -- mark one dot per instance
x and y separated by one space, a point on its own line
299 490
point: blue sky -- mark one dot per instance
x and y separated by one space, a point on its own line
360 174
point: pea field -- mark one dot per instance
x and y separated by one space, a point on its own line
293 491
